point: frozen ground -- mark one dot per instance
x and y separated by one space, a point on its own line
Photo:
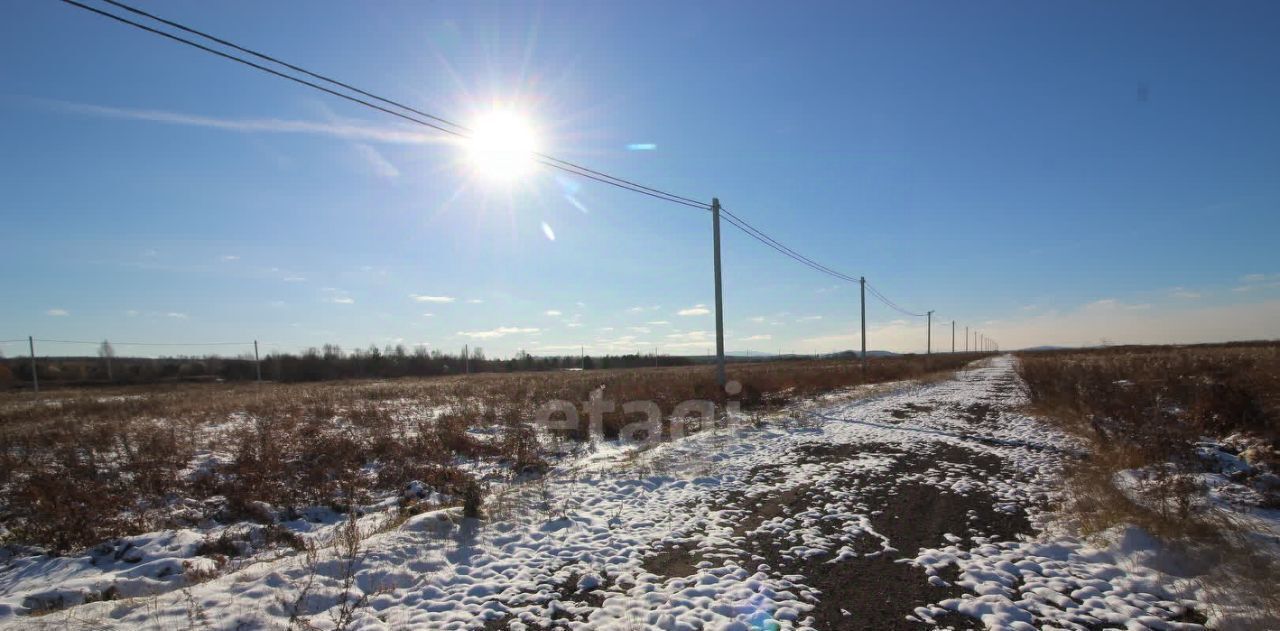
922 507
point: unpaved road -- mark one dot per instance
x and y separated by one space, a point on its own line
923 507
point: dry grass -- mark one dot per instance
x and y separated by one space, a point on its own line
80 466
1145 408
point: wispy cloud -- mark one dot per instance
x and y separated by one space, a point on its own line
813 318
377 163
501 331
696 310
58 313
344 129
438 299
230 257
475 301
551 312
756 338
1253 282
1185 294
176 315
342 300
658 323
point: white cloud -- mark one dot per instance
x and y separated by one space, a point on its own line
1253 278
639 329
377 163
345 129
757 319
230 257
438 299
132 313
501 331
293 279
475 301
696 310
756 338
428 315
658 323
551 312
176 315
548 232
343 300
573 325
58 313
691 336
813 318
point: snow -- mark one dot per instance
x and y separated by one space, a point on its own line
571 549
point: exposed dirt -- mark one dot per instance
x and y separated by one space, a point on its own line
874 590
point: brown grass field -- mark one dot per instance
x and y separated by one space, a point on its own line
80 465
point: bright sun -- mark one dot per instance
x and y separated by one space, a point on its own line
502 146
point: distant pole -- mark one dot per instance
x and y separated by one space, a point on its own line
966 339
928 349
953 336
35 377
862 290
106 354
257 361
582 357
715 246
466 359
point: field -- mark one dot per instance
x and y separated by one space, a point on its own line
1074 490
1185 442
82 465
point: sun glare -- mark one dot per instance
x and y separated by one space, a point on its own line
502 146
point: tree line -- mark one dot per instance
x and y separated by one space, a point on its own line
329 362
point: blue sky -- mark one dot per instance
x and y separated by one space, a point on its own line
1051 173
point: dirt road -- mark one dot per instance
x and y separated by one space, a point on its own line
921 506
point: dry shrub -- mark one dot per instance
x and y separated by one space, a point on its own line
1144 408
82 465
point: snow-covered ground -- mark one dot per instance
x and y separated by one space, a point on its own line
918 506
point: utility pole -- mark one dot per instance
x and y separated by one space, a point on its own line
35 377
257 361
582 357
466 359
928 349
862 285
966 339
715 246
953 336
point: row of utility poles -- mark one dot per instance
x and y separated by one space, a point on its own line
107 352
980 342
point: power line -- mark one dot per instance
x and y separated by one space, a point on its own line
759 235
891 304
454 129
382 99
554 163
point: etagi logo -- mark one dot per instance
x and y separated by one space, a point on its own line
692 415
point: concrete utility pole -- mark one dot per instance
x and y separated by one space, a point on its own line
715 246
257 361
966 339
862 284
953 336
466 359
35 377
